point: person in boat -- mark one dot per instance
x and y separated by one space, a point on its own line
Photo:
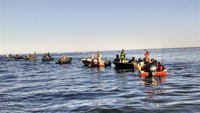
140 63
92 56
117 59
98 57
147 60
48 54
132 60
123 55
63 58
34 54
160 67
153 65
44 56
28 56
10 55
17 56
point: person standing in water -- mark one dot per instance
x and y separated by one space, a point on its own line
98 57
123 55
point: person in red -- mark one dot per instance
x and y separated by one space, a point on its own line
160 67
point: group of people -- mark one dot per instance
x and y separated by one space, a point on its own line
98 57
64 58
149 62
29 55
146 63
47 55
122 56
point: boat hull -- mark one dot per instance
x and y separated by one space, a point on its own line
47 59
120 65
94 63
68 60
32 58
160 73
16 58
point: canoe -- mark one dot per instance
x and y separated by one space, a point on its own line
120 65
31 58
67 60
159 73
47 59
94 63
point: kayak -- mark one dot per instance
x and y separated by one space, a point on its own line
47 59
94 63
66 61
120 65
31 58
159 73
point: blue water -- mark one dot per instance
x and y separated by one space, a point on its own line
36 86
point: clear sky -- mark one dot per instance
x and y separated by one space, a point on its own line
92 25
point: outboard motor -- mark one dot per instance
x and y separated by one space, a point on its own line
153 68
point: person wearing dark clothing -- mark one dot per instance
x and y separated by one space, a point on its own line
132 60
117 59
160 67
153 65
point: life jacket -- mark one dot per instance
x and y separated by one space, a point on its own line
122 55
63 58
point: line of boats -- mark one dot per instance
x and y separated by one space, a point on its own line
128 64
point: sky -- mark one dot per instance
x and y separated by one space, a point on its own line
97 25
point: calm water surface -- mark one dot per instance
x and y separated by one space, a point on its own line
36 86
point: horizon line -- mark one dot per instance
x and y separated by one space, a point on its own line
114 50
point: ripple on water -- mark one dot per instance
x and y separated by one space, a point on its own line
36 86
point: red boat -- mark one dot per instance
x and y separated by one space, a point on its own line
155 70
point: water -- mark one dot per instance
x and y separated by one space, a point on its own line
36 86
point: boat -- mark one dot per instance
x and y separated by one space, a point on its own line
47 59
30 58
10 57
94 63
152 72
126 65
66 61
20 57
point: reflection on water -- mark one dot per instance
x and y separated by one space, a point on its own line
156 82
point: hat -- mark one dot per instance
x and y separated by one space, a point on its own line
145 54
